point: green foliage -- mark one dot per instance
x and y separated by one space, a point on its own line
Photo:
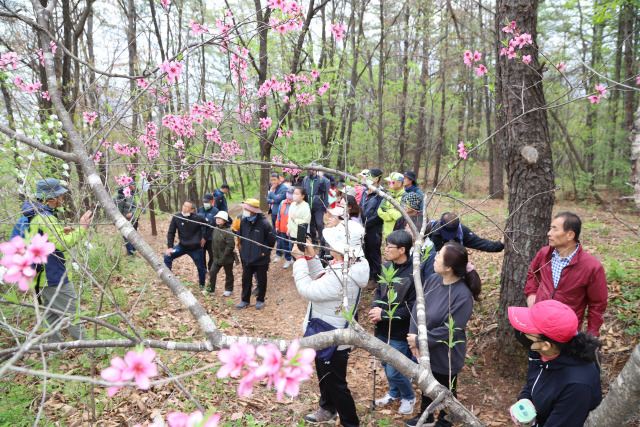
450 326
16 395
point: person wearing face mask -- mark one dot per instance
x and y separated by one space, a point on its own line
209 212
52 278
370 202
387 212
258 238
563 380
317 188
277 193
189 226
282 227
449 294
299 212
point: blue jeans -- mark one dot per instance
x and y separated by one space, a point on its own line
277 233
285 245
399 385
197 256
130 249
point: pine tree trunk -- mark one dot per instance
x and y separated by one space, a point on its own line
529 165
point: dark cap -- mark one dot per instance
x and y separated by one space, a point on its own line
225 185
375 173
412 176
290 189
207 197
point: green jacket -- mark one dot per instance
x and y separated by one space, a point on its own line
388 213
126 205
223 245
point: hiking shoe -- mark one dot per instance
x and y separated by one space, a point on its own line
206 292
287 264
406 406
254 291
277 258
227 293
242 305
411 422
259 305
385 400
321 416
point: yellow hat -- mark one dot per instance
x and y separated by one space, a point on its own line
252 205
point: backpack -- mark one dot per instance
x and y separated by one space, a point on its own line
21 227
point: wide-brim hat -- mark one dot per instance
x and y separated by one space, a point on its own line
49 188
337 211
412 176
395 176
223 215
252 205
551 318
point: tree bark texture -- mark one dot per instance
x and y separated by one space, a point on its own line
529 166
635 159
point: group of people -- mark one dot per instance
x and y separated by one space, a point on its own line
564 283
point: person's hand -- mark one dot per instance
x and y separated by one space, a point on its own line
85 220
375 314
506 230
531 299
68 229
169 252
411 340
140 204
293 217
295 254
129 215
203 241
273 188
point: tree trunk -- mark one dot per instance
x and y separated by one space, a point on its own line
635 159
441 137
405 86
381 89
629 69
529 164
623 399
421 131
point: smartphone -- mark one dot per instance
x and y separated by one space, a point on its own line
302 236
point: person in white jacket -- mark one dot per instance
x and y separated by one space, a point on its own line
325 290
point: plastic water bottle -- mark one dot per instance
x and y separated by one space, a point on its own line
523 412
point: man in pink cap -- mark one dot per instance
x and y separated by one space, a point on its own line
563 380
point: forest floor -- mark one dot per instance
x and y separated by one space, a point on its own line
481 387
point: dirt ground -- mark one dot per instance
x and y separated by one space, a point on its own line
481 388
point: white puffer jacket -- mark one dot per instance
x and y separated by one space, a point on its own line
323 289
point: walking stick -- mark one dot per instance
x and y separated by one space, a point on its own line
373 403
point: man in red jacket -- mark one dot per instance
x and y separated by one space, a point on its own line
565 272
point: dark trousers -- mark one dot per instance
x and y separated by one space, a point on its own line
372 242
426 400
334 391
279 251
228 275
285 245
261 277
130 249
316 225
196 255
208 250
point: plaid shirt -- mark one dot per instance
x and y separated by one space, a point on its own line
558 264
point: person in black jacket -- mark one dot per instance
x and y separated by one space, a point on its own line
450 230
563 380
209 212
257 239
394 330
189 226
370 202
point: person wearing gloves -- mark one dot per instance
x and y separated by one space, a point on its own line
411 186
223 254
209 212
258 238
277 193
53 280
282 227
563 380
449 294
299 212
128 207
387 212
189 227
323 288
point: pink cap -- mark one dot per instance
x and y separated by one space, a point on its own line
551 318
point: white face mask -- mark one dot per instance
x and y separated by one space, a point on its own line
370 182
206 205
246 213
188 214
297 198
321 173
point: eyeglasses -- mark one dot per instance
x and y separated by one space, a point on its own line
390 247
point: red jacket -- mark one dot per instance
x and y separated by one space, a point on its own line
582 283
282 221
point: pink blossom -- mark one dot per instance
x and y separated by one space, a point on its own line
638 80
601 90
143 83
140 366
12 247
481 70
45 95
560 66
325 87
503 51
39 249
280 133
265 123
276 4
477 56
523 39
18 271
9 59
338 31
165 3
234 358
18 81
89 116
509 28
53 46
32 87
462 150
271 356
511 53
595 99
197 28
113 374
467 58
526 59
179 419
97 157
315 74
173 70
245 387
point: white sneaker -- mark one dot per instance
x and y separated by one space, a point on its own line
227 293
286 264
206 292
385 400
406 406
277 258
